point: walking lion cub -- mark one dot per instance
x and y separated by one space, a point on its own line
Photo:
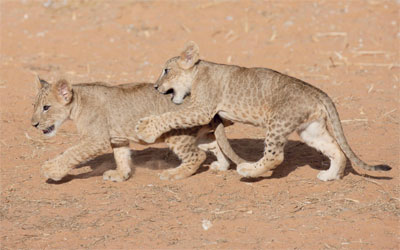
262 97
105 117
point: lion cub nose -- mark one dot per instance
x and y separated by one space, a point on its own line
156 86
35 125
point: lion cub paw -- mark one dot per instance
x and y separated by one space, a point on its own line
218 166
50 170
247 170
146 130
328 176
116 176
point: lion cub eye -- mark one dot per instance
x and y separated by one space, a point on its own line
46 107
166 71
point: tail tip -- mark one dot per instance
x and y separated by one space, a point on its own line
382 167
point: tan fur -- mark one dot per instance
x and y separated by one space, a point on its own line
259 96
105 117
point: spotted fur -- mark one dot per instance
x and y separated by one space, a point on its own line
105 117
262 97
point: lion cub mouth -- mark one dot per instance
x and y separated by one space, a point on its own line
48 130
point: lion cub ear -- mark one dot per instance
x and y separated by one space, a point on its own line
189 56
40 83
63 91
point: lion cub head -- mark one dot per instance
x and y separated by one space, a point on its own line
52 106
178 73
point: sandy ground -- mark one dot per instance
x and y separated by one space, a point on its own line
349 49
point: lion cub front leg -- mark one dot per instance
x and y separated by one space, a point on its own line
59 167
122 155
150 128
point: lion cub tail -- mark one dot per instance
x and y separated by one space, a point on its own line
225 146
334 121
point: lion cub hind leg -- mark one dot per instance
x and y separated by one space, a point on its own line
122 155
222 163
316 135
218 144
184 146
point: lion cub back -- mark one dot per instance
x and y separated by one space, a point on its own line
123 105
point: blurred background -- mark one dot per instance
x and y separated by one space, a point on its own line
130 40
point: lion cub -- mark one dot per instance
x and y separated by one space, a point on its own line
259 96
105 117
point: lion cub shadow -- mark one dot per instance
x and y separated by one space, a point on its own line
297 154
152 158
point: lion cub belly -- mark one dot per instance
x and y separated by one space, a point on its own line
242 117
230 116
